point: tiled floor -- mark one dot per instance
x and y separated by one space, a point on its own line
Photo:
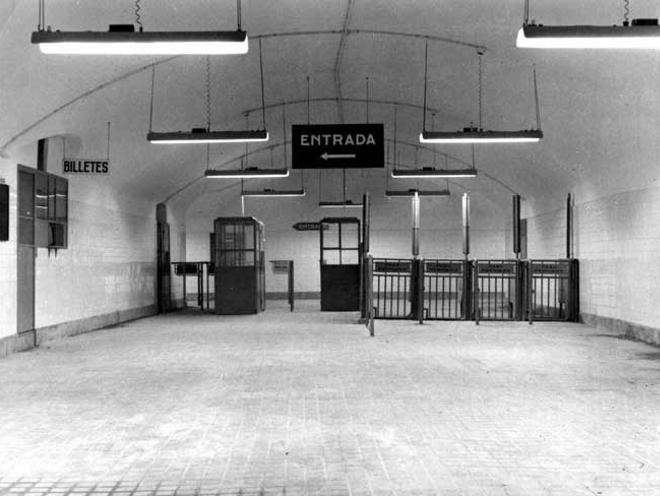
308 403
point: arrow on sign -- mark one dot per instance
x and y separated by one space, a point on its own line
327 155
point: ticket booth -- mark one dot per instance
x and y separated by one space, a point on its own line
340 264
238 259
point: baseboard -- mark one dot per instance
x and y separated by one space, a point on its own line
27 340
16 343
647 334
299 295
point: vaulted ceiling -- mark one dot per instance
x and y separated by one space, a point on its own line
599 109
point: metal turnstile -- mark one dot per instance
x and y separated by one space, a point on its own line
551 289
392 288
238 261
447 289
496 290
340 263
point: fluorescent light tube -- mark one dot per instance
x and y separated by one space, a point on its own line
476 136
183 137
634 37
248 173
431 172
333 204
141 43
274 192
411 192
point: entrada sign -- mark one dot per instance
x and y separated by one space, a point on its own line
337 146
99 167
309 226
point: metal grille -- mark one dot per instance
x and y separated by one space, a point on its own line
444 294
391 288
496 289
549 281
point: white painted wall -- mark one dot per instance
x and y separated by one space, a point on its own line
109 265
616 240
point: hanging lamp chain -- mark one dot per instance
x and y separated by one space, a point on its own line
138 16
626 12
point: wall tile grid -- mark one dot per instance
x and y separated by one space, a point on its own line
8 258
108 268
616 239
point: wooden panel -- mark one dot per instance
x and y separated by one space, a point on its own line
340 288
25 290
236 290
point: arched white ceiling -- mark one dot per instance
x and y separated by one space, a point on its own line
599 110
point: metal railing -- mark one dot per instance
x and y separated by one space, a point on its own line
445 289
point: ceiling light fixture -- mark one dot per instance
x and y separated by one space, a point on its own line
273 192
202 135
248 173
123 39
390 193
474 135
430 172
640 34
478 134
339 204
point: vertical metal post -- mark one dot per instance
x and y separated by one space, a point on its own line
530 293
370 295
466 225
364 309
569 226
415 225
477 306
420 290
291 293
516 225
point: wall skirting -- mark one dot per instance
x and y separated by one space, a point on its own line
26 340
647 334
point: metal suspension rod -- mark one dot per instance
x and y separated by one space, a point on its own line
481 114
367 102
426 65
536 101
238 14
526 13
108 144
308 100
151 105
283 134
263 101
208 93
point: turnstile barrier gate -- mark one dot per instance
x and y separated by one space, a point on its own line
478 290
447 289
551 289
497 290
392 293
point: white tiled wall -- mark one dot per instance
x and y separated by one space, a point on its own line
616 241
109 265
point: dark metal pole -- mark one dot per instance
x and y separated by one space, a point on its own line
516 225
569 226
415 225
466 225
